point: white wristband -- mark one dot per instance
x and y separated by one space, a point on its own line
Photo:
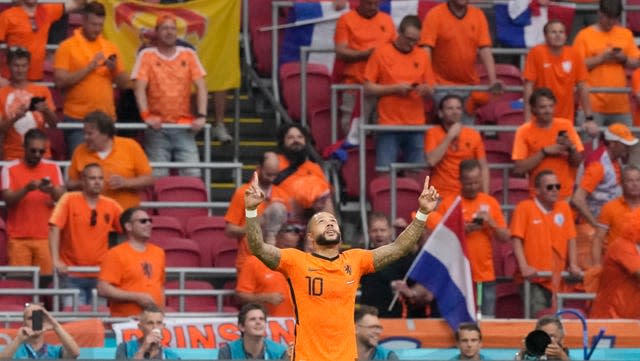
422 217
251 213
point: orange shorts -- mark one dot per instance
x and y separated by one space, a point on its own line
30 252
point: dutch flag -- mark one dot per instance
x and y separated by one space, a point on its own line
443 268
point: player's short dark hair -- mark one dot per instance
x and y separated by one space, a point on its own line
468 326
364 310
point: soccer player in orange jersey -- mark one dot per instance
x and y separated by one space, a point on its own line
324 282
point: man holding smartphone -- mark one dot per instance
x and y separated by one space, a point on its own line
29 341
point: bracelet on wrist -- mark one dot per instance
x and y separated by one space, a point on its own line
251 213
422 217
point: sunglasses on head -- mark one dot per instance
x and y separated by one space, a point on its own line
551 187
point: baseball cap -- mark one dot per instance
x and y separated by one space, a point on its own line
620 133
164 17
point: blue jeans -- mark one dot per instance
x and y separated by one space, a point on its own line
161 145
73 137
84 284
488 299
388 145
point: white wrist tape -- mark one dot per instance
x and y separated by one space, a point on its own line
422 217
251 213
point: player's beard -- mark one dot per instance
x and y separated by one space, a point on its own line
321 240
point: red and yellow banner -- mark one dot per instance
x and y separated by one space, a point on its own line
211 26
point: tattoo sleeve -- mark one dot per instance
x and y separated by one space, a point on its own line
268 254
400 247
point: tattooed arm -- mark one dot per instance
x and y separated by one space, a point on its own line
405 242
268 254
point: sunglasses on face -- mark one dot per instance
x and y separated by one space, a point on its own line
551 187
144 220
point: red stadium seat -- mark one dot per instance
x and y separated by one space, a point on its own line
260 16
225 255
208 232
9 303
497 152
408 190
165 227
4 259
181 189
318 88
508 301
179 252
518 190
510 76
320 128
192 303
633 20
350 170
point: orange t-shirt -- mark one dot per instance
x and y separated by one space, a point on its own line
307 184
530 138
12 99
479 248
95 91
136 271
81 243
16 29
235 215
324 293
169 81
445 174
591 42
455 42
545 234
560 73
635 89
387 66
612 217
360 33
619 290
28 218
126 159
256 278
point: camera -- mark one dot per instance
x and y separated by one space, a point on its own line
536 343
478 220
34 102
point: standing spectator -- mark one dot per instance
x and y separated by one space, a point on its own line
30 186
469 340
457 33
368 331
600 182
132 273
79 231
27 24
560 68
149 345
163 75
608 49
253 343
29 343
303 179
483 221
23 105
400 74
447 145
273 211
546 142
125 166
619 289
358 33
612 216
85 67
543 232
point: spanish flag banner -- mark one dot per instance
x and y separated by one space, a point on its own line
211 26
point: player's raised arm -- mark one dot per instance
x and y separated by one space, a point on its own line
428 200
268 254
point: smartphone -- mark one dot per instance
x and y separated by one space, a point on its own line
45 181
562 133
479 221
34 102
36 320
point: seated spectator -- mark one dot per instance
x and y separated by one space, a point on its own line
619 287
30 188
27 24
149 345
547 142
253 343
554 350
164 75
29 341
258 284
132 274
23 105
447 145
79 231
469 340
86 66
303 179
273 211
613 214
399 74
368 331
125 166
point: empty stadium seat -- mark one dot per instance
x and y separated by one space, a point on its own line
350 170
225 255
165 227
192 303
518 190
208 232
181 189
497 152
320 128
179 252
508 301
260 16
408 190
318 88
9 302
510 76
